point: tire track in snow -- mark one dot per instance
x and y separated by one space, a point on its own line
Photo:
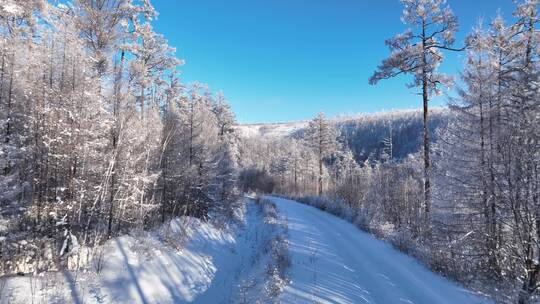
352 266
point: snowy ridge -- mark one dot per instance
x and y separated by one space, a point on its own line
272 130
287 129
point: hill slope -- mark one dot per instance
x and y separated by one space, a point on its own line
364 134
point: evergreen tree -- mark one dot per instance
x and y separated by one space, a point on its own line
418 52
322 139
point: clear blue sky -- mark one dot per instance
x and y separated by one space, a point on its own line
283 60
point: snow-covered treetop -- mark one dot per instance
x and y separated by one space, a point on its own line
417 51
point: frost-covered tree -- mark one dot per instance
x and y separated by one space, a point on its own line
153 58
199 158
417 51
489 156
225 116
520 149
321 137
466 162
81 160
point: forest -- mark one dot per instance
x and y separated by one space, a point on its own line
477 220
101 137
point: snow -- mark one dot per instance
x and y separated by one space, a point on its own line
11 8
191 261
334 262
209 266
275 130
288 129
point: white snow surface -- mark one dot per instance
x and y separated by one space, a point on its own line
209 266
11 8
332 261
270 130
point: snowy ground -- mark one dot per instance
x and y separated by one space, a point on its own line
334 262
211 265
323 258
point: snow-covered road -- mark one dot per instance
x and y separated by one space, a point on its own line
334 262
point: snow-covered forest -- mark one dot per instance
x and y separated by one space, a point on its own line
477 220
112 169
99 136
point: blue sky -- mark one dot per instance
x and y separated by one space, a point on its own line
283 60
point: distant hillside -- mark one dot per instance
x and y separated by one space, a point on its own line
275 130
364 134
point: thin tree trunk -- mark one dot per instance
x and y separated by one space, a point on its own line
425 99
7 168
321 157
114 141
